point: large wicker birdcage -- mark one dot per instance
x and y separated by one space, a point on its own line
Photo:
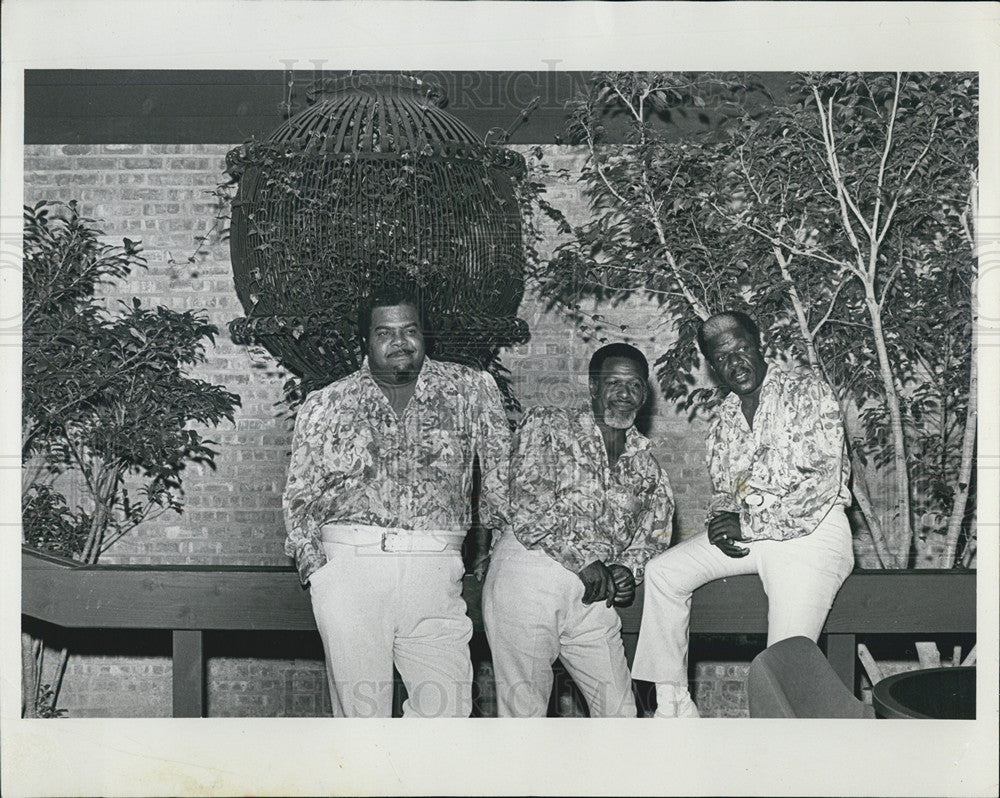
374 183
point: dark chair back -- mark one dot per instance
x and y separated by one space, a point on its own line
792 679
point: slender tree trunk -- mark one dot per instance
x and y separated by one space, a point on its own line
865 271
972 414
965 470
860 491
39 667
860 481
969 553
900 475
60 673
94 537
105 490
29 676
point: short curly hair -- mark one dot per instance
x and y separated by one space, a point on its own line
626 351
388 296
736 317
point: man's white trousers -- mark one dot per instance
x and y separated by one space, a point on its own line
374 608
801 577
534 613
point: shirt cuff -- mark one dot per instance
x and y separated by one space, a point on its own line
309 558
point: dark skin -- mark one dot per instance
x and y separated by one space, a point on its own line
738 363
396 352
615 396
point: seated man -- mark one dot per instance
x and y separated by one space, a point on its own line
377 503
779 471
589 507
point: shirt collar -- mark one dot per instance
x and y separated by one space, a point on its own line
731 403
430 369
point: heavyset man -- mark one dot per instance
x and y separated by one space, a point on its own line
779 471
377 504
589 507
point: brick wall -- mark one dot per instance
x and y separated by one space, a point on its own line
100 686
162 195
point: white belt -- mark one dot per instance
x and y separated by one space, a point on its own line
391 538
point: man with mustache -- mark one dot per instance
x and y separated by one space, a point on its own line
589 507
377 504
779 470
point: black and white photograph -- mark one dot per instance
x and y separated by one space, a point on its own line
440 405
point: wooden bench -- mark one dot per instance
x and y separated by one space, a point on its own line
190 600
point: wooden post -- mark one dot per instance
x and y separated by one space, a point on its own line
841 650
189 674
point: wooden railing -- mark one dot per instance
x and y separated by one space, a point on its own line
190 600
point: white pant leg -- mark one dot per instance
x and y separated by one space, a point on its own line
351 600
671 578
519 612
431 647
591 648
801 577
533 611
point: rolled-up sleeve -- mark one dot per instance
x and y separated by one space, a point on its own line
492 443
723 499
653 527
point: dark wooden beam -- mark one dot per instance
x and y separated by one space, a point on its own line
842 652
94 106
192 599
270 598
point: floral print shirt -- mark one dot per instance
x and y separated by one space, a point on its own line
355 461
568 501
785 474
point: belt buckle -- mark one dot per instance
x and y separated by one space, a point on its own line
393 541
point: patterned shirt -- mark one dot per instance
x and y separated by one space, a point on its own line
785 474
355 461
568 501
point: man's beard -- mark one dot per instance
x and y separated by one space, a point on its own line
617 419
393 371
403 373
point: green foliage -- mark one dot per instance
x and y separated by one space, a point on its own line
50 524
650 231
45 703
105 396
840 217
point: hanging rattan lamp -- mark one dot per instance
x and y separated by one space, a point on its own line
374 183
